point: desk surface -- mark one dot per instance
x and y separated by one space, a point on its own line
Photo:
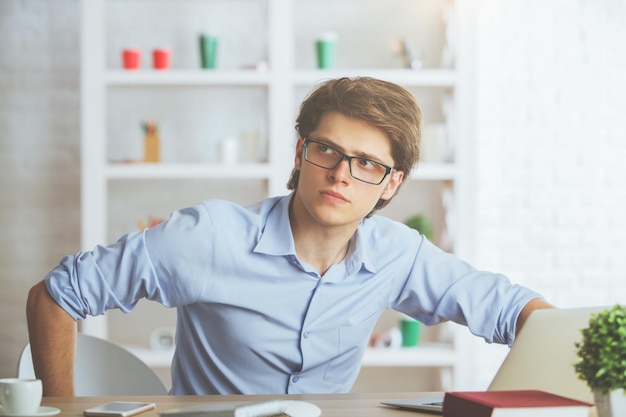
332 405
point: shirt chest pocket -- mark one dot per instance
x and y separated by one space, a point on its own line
349 343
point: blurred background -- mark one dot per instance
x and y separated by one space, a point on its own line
533 116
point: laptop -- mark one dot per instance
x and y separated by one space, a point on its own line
542 358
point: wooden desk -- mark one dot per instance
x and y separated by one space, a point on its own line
332 405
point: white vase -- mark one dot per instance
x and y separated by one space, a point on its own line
611 404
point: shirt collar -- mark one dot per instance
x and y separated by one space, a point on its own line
277 239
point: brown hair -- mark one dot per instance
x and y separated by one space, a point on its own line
386 106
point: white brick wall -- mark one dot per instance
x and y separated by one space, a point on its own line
39 154
551 172
550 154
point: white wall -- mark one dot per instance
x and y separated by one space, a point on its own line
550 151
39 154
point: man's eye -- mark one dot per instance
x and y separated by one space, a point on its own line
366 163
325 149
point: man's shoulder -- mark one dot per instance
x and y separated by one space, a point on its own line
223 210
382 223
378 228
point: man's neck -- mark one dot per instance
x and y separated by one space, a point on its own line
317 245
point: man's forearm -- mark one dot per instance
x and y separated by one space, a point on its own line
52 334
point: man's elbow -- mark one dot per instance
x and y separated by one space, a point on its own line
38 296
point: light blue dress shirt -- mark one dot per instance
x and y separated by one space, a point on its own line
254 319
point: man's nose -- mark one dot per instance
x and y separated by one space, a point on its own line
341 172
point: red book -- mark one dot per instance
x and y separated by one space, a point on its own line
522 403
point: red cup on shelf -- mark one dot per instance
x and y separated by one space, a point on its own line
131 59
161 58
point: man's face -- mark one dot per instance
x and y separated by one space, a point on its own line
332 197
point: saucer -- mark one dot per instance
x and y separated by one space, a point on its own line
43 411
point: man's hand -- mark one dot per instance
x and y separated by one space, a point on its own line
52 334
534 304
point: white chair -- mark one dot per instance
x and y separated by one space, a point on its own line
103 368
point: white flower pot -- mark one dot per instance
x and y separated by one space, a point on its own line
612 404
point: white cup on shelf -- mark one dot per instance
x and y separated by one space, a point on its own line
230 150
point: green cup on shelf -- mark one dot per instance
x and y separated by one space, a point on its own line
209 43
410 330
326 50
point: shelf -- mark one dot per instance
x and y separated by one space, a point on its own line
406 77
426 171
435 171
175 78
187 171
427 355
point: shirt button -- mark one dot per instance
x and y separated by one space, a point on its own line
295 379
305 335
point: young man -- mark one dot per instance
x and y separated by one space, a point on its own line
281 297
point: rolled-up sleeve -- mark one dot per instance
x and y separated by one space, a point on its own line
442 287
149 264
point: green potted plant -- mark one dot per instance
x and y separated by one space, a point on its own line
602 364
421 223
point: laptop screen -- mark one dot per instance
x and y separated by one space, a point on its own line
542 357
544 354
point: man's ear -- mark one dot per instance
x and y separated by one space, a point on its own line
298 157
392 185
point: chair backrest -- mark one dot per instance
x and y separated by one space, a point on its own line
103 368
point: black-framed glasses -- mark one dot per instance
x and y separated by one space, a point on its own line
325 156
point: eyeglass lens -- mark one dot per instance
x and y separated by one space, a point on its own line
327 157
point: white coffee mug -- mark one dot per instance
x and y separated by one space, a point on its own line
20 396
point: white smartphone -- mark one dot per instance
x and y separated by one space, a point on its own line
119 409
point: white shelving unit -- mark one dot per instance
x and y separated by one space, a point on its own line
438 355
433 354
281 87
